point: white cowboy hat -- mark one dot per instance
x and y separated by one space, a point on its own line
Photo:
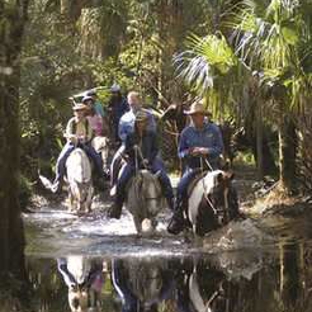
80 106
197 108
115 87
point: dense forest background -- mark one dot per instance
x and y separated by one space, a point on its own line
249 59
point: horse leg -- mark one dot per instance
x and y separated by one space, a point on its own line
138 224
89 199
71 200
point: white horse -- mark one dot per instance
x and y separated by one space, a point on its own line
79 178
145 200
212 202
84 279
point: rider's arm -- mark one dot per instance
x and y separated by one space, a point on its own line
69 133
183 149
154 146
217 148
152 126
129 146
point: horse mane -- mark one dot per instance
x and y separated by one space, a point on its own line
78 166
210 180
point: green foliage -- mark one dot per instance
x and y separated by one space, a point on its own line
204 59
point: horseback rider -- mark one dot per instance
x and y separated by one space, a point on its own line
96 116
79 134
117 106
200 143
98 107
143 142
126 126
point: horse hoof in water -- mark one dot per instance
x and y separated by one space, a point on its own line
147 226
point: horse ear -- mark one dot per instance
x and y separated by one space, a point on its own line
220 177
225 165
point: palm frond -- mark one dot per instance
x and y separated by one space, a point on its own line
204 59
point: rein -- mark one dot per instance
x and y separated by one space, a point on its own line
138 153
205 187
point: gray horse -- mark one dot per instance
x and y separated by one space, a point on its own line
145 200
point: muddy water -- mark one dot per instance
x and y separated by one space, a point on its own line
251 265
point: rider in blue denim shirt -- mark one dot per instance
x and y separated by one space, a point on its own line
199 144
126 127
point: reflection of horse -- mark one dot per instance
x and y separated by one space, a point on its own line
212 201
204 289
79 177
101 145
144 199
84 280
142 284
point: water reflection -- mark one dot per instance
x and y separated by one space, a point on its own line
84 279
130 285
275 282
143 285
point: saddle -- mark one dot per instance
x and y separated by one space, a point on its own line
199 175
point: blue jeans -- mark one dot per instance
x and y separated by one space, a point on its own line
67 150
188 175
129 171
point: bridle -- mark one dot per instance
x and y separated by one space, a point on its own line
207 198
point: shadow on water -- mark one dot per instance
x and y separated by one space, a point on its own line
94 264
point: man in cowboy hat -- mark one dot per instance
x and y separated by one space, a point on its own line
78 133
199 143
147 142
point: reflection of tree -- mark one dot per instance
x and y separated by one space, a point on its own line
49 291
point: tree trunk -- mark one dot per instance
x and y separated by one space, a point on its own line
287 154
259 140
13 18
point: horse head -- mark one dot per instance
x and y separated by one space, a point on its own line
216 202
82 273
144 199
151 192
145 279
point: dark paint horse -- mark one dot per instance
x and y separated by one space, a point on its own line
212 202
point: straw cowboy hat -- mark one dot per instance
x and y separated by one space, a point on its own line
80 106
197 108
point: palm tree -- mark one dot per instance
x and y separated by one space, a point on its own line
271 40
